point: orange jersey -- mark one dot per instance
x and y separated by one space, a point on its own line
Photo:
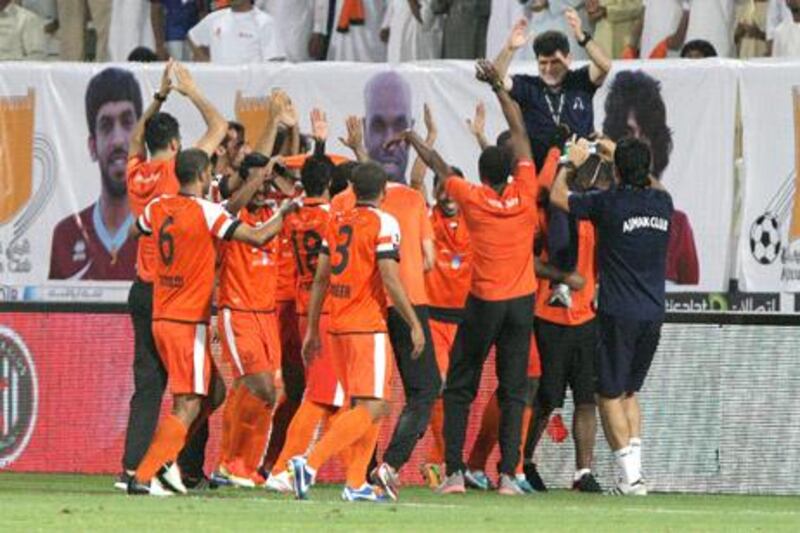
305 230
408 207
582 308
147 180
357 239
501 228
449 281
287 273
184 229
248 279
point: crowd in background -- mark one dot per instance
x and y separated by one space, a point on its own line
248 31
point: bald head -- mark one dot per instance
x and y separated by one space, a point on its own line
387 98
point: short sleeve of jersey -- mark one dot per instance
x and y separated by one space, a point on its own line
387 243
458 189
200 34
219 222
525 175
588 205
583 81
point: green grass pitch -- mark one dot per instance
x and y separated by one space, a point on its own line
36 502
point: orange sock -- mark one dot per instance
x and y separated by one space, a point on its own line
436 452
300 432
327 422
229 423
487 436
360 457
526 422
248 421
346 430
167 443
258 438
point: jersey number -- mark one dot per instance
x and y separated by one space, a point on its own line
343 250
311 244
166 244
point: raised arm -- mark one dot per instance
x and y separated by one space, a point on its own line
428 155
242 195
477 126
420 168
355 138
578 153
267 231
486 72
600 64
137 146
518 38
216 125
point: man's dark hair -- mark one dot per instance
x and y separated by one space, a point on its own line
494 165
639 93
111 85
342 176
504 139
252 160
701 46
316 175
142 54
369 181
632 159
238 128
160 130
549 43
190 165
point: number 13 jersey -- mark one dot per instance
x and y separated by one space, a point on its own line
357 239
184 229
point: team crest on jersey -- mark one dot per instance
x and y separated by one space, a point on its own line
19 396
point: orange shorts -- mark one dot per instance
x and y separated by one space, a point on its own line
443 335
250 342
185 350
364 363
321 383
534 362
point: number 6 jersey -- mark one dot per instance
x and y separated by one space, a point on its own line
357 239
183 229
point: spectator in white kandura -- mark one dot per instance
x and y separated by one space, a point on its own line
786 39
302 25
505 13
714 21
48 10
21 34
663 29
356 31
237 34
414 32
777 12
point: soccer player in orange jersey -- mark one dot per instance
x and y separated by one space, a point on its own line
357 269
248 327
324 394
186 228
420 376
501 217
147 178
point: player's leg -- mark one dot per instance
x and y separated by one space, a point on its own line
513 351
443 335
421 384
475 477
614 358
293 376
534 374
475 336
149 380
369 369
584 421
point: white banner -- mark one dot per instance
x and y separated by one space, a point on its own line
62 216
769 249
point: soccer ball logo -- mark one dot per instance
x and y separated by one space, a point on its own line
765 239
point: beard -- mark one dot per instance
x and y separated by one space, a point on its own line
117 188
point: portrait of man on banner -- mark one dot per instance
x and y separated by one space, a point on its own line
635 108
93 243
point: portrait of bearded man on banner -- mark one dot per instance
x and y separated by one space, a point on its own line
93 244
634 107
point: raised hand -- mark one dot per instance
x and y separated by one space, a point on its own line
519 36
166 79
355 133
486 72
575 23
477 125
184 82
401 138
319 125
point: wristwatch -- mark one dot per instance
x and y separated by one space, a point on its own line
158 96
586 38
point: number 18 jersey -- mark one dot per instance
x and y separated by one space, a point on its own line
357 239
